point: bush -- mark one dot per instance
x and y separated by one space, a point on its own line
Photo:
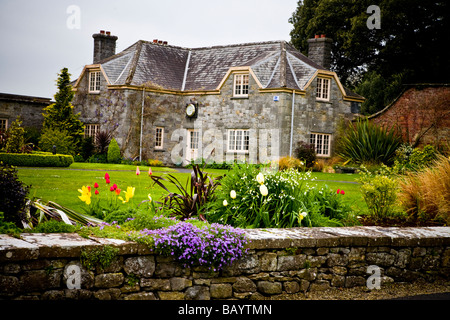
408 158
286 163
365 142
59 138
41 159
379 191
54 226
15 137
307 153
114 152
13 195
250 198
426 195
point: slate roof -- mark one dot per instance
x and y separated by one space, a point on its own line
276 64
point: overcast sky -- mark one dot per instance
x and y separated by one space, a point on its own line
39 38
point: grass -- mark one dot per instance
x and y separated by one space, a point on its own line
61 185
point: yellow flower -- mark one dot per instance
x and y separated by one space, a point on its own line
301 216
85 194
260 178
264 191
233 194
149 197
128 195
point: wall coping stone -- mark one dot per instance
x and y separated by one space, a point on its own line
37 245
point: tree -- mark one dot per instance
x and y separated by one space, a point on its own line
15 140
60 116
408 44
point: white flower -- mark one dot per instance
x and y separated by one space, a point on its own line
301 216
263 190
260 178
225 203
233 194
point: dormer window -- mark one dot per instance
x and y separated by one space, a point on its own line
323 89
94 81
241 85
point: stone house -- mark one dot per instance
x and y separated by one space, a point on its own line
29 109
251 101
422 114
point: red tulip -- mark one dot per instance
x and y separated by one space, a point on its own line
138 172
338 190
108 181
111 189
342 192
89 188
114 186
96 185
96 192
118 191
149 171
106 176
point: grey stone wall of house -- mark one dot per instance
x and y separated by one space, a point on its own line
269 121
29 109
280 263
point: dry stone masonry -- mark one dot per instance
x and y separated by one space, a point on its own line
279 261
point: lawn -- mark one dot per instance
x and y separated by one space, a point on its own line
61 185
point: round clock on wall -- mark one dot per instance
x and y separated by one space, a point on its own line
190 110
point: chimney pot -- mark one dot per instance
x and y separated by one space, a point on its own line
155 40
322 36
160 41
108 33
102 31
165 43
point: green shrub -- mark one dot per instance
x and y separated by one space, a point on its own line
40 159
59 138
379 191
365 142
114 152
15 137
413 159
250 198
13 195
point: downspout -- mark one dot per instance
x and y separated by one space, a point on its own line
292 123
142 124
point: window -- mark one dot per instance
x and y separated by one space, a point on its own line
94 81
323 89
90 130
3 124
159 138
321 142
238 140
240 85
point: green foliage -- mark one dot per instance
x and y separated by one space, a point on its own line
114 152
57 137
289 202
408 158
15 140
101 141
120 216
190 199
41 159
87 148
54 226
98 257
13 195
60 115
307 153
8 227
379 190
365 142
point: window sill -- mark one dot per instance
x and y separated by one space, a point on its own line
239 98
94 92
159 150
237 152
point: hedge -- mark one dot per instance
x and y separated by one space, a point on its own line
41 159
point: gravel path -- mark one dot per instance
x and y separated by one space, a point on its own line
388 291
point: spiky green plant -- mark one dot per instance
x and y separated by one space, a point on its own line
366 142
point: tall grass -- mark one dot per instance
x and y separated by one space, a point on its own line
366 142
425 195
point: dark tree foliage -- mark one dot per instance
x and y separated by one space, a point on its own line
409 45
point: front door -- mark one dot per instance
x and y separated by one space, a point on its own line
192 145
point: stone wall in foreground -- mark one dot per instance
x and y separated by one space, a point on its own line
279 261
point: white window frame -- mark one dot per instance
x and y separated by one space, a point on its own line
321 143
238 140
3 124
241 85
94 81
323 89
159 138
91 129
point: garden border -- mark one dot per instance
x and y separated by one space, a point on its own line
279 261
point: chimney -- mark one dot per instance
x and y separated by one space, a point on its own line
104 45
319 50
